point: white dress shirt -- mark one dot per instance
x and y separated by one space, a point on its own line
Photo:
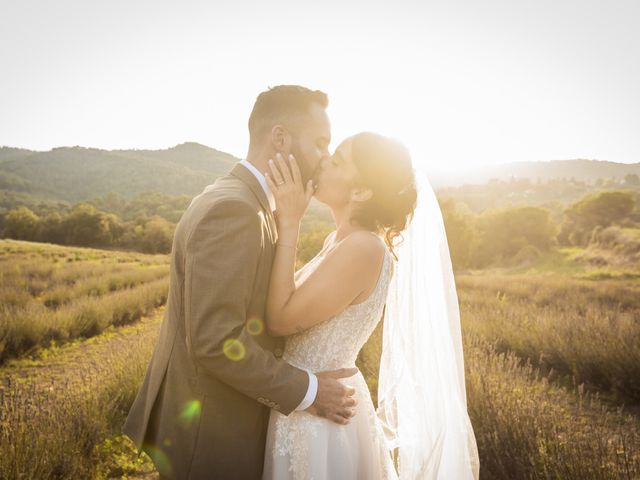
312 390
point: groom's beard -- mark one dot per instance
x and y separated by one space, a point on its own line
306 172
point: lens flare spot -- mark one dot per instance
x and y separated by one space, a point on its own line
190 412
234 349
166 442
160 460
255 326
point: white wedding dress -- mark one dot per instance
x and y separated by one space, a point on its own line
303 446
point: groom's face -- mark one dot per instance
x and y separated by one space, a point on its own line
311 143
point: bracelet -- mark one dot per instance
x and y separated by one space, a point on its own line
285 245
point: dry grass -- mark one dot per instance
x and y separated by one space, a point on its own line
529 342
51 293
585 329
60 414
528 428
613 246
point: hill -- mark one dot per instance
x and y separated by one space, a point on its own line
75 174
47 181
552 193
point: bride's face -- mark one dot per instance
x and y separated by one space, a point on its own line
337 177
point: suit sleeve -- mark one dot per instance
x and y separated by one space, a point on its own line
221 261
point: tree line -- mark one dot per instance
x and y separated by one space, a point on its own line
516 234
495 236
145 224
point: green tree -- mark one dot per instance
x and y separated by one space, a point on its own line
52 229
21 224
87 226
507 231
116 228
601 209
155 236
632 179
461 233
311 241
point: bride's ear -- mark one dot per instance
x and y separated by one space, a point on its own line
280 139
361 194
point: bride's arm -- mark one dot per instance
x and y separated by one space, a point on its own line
345 273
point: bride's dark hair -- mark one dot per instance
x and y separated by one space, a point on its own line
384 166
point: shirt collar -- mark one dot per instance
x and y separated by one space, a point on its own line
263 182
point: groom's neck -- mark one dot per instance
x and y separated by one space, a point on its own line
259 158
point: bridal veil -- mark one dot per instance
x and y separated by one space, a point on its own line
421 391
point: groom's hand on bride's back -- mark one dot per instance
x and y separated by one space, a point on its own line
334 400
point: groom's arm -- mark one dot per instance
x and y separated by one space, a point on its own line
221 261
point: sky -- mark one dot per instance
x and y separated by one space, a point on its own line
464 84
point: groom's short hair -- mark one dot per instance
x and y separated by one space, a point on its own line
285 105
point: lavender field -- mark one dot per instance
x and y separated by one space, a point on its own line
551 365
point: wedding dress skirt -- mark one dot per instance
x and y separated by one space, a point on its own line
302 446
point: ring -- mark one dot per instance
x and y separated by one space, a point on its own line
280 183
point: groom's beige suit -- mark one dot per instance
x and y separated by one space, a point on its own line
202 411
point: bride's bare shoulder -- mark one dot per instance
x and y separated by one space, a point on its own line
362 245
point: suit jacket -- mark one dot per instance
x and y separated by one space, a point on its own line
202 411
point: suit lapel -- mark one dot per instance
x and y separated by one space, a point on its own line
241 172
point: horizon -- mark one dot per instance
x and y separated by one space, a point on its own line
191 142
438 178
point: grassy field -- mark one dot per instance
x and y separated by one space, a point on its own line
52 293
61 413
553 367
585 328
551 361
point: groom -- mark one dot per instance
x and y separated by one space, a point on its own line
202 411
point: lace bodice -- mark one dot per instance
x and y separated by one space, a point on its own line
335 343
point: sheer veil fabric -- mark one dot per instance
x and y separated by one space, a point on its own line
421 391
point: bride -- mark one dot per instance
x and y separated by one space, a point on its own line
329 308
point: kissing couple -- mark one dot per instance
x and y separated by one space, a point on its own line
253 375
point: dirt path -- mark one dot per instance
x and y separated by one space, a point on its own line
79 361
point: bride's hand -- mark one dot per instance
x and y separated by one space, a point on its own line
292 198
